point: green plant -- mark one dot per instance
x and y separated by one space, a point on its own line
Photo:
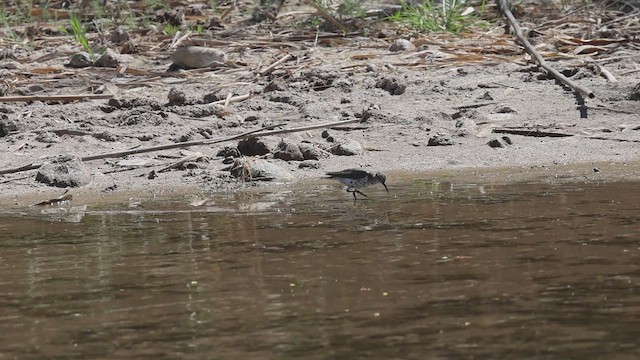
80 34
199 29
450 16
171 29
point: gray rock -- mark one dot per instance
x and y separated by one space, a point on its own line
176 96
80 60
109 59
48 138
288 151
401 45
196 57
259 170
466 127
119 35
309 164
347 148
9 65
64 172
311 152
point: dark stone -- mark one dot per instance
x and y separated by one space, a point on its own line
228 160
507 140
635 93
505 110
211 97
119 35
253 147
495 143
7 127
440 140
109 59
80 60
64 172
176 97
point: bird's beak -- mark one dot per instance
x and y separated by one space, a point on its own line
385 186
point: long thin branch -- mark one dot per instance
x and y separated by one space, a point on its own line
4 99
532 51
266 131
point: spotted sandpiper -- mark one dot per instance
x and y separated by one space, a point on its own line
356 179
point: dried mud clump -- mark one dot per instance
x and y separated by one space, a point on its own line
392 85
64 172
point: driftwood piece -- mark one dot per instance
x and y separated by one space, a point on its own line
530 132
266 131
504 5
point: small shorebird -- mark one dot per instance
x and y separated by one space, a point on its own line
356 179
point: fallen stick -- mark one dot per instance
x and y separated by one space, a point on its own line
532 51
530 132
233 99
254 133
4 99
272 67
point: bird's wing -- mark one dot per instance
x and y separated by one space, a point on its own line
350 173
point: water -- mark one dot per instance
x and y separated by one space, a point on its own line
434 270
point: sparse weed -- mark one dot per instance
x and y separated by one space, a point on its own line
80 34
171 29
450 16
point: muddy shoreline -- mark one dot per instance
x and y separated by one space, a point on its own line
447 119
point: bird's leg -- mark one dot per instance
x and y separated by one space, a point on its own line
354 191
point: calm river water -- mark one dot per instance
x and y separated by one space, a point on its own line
430 271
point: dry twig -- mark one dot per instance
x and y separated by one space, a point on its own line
254 133
533 52
4 99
